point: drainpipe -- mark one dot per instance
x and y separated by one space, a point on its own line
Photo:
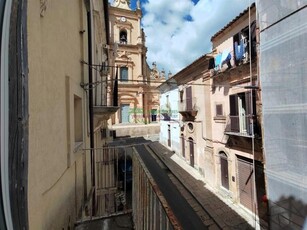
91 114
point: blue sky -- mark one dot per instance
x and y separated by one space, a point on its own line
178 32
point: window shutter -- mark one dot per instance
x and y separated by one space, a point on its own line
233 100
248 104
189 98
234 113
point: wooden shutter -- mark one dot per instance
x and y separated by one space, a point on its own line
234 113
189 98
250 113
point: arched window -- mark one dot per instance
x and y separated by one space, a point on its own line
123 37
224 170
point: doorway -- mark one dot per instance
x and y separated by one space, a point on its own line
224 170
124 112
153 115
182 145
191 145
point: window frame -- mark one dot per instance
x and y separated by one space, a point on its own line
121 69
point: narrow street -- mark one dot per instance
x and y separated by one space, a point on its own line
202 208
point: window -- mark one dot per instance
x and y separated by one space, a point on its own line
241 112
188 95
123 37
241 44
219 110
78 120
191 126
123 73
181 96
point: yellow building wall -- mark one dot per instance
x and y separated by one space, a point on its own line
56 170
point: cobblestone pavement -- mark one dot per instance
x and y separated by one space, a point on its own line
223 215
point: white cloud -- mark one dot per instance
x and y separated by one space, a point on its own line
172 41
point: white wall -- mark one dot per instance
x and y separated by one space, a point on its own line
174 121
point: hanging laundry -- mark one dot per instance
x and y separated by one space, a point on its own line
239 50
218 60
226 57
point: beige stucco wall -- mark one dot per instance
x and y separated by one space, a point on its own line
224 85
59 173
201 132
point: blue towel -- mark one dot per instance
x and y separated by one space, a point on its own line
226 55
239 50
218 61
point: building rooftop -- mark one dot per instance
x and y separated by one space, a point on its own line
233 21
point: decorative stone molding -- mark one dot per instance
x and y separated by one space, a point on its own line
123 4
43 7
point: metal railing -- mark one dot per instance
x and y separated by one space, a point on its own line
150 209
124 185
99 90
188 105
113 169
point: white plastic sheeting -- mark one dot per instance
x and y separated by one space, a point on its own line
283 75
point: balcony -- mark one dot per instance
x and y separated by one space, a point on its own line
188 109
101 108
243 126
104 112
124 191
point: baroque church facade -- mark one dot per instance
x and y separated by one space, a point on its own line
138 98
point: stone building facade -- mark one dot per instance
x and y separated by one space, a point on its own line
138 97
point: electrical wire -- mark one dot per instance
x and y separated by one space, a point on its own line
145 82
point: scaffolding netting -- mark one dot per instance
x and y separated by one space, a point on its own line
283 76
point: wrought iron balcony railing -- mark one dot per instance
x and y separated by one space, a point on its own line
188 108
101 105
242 126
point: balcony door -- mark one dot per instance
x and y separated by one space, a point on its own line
242 112
189 98
153 115
182 145
191 145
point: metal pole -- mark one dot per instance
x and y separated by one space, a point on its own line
252 116
91 114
